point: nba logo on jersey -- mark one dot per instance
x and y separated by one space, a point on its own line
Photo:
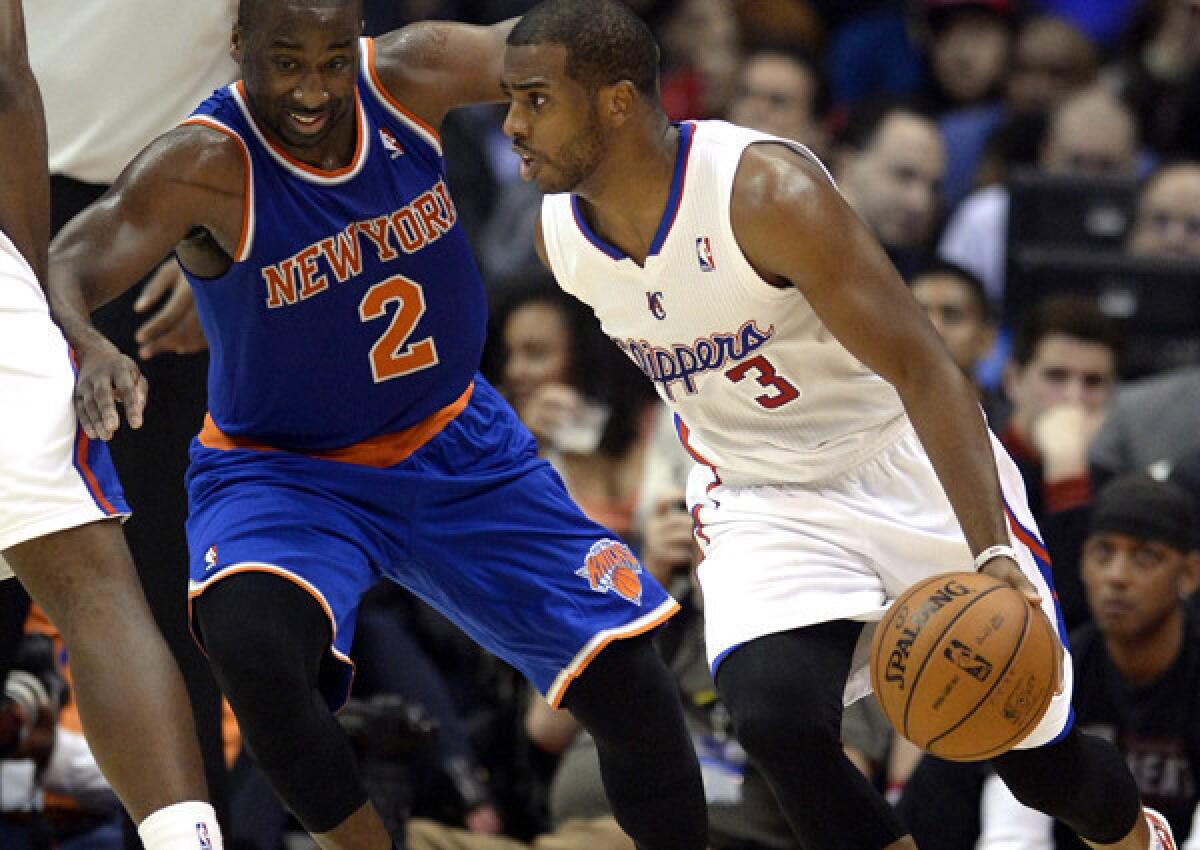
611 566
390 142
203 836
654 302
210 557
704 254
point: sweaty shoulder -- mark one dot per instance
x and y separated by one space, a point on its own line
196 154
778 192
193 176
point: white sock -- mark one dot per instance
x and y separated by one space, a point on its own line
191 825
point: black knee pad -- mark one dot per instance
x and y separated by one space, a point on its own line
655 791
1082 780
789 681
266 639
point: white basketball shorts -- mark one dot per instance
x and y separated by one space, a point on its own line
52 477
778 558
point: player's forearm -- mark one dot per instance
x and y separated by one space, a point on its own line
70 311
945 412
71 302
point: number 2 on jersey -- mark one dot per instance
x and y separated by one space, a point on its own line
766 377
393 355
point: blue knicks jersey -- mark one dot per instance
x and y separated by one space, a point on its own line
353 307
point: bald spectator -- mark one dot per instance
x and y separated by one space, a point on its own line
889 162
1052 60
1091 132
780 89
1167 218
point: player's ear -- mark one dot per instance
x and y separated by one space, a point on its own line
236 41
618 100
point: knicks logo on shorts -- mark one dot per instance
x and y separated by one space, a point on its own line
611 566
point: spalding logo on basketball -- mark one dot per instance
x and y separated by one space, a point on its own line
964 666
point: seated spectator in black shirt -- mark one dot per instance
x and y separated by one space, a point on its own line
1137 680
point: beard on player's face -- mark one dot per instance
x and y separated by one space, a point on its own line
575 160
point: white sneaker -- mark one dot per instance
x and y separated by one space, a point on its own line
1160 831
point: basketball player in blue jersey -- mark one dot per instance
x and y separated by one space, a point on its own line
349 437
60 505
841 455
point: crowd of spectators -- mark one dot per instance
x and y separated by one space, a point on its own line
1032 168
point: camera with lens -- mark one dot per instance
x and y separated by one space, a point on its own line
385 729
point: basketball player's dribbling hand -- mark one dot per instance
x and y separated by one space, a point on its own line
1009 572
107 377
174 326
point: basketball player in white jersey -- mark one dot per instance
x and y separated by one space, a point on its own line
840 453
60 509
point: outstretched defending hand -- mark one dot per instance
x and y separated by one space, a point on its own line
174 325
106 376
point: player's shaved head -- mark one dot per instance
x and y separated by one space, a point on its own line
606 41
252 12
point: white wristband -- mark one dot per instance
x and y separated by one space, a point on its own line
1000 550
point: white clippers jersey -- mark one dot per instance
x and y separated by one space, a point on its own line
19 287
761 390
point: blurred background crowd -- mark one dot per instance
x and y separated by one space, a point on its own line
1033 169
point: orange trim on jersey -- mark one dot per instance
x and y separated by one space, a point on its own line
391 101
380 451
193 593
640 628
89 477
247 188
359 129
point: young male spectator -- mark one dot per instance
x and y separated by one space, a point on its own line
889 162
1060 381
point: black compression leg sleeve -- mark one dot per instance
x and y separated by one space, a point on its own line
1082 780
628 701
266 638
784 692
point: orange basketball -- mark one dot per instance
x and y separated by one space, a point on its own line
964 666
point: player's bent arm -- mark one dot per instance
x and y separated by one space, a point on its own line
190 178
434 66
24 184
795 228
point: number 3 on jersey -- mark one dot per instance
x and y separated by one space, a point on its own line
393 355
782 389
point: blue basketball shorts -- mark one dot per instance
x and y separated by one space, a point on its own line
472 522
